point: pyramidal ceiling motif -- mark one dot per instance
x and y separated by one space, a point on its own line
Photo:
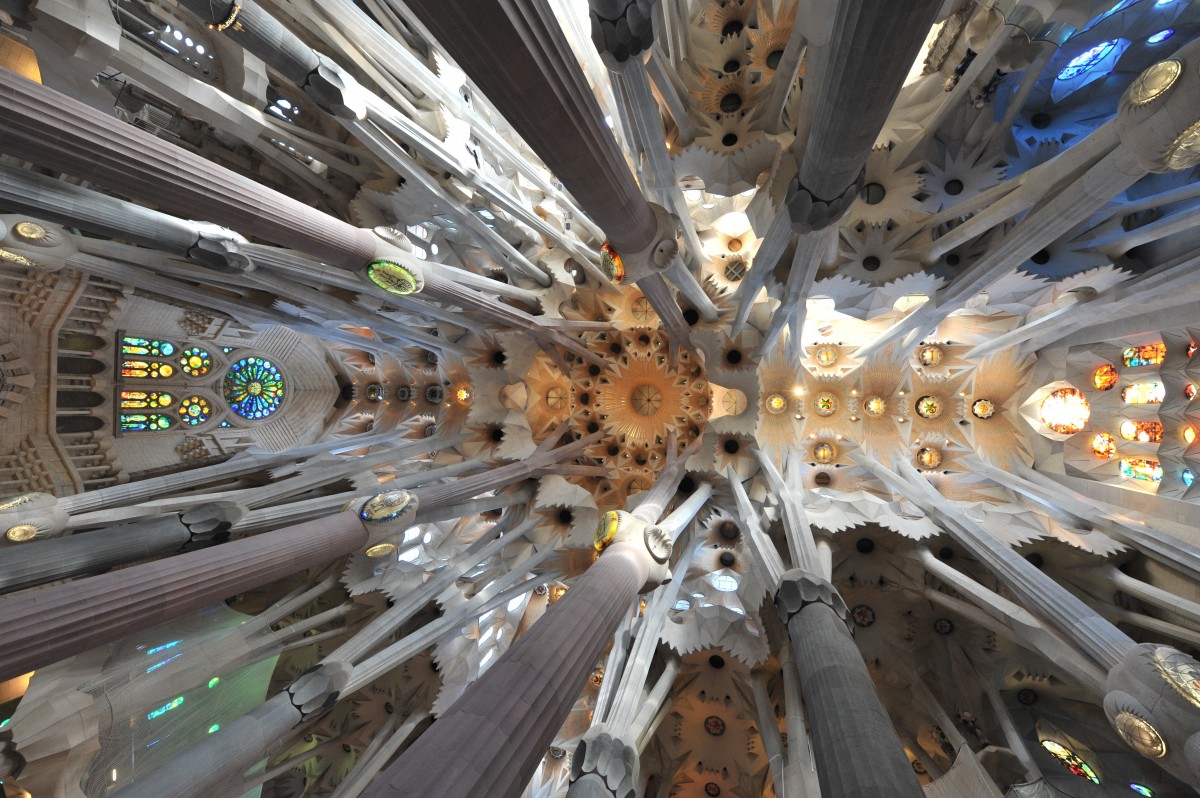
621 398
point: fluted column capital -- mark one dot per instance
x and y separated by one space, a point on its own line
798 589
605 764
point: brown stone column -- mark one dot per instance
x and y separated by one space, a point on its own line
57 132
542 93
39 627
506 720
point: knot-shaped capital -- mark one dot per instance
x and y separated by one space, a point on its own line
316 690
219 248
809 212
798 589
621 29
31 516
335 90
605 757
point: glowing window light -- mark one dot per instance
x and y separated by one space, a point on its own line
1161 36
1164 2
4 722
1191 348
1071 761
725 583
165 708
216 727
1088 58
1144 431
1140 790
253 387
1189 434
1188 476
1189 391
195 361
194 410
213 682
1148 355
163 647
1065 411
145 422
139 400
1143 393
156 666
1145 470
132 345
1104 377
683 605
1104 445
146 369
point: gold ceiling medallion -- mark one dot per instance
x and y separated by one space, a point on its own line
1154 82
30 231
1184 152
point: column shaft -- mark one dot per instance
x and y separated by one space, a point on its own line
543 94
507 719
43 626
57 132
857 752
42 561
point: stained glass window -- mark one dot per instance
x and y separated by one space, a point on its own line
1104 445
1191 349
1087 59
150 347
194 410
1143 393
1188 476
1104 378
145 422
1144 431
140 400
1148 355
146 369
195 361
1189 391
165 708
1071 761
253 387
1145 470
1189 434
1065 411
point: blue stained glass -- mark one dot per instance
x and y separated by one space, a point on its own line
1140 790
165 708
163 647
1087 59
253 387
1161 36
145 422
1188 476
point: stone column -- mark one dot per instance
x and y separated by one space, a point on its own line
855 746
244 741
57 132
43 561
44 626
508 717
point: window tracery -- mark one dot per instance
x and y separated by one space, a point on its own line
1148 355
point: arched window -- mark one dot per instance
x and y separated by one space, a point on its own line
1148 355
146 369
1087 60
1144 431
1145 470
146 347
1143 393
1068 759
141 400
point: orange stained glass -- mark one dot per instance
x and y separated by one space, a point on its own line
1104 378
1104 445
1189 434
1148 355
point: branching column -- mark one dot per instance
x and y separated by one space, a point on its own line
506 720
44 626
